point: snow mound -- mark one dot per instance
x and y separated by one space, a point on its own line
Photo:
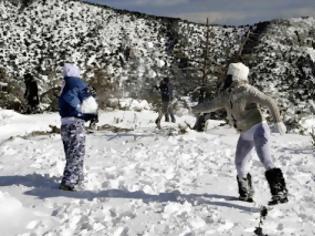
9 206
12 212
129 104
8 114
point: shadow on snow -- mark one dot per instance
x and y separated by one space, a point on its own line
47 187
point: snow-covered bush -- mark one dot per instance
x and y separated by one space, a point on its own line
125 54
11 93
105 87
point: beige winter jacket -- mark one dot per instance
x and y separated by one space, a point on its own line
241 102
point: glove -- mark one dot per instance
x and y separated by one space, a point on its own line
280 127
95 119
90 116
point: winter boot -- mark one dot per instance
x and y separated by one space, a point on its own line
245 188
167 119
173 118
158 123
277 186
65 187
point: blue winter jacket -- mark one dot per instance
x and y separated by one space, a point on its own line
73 93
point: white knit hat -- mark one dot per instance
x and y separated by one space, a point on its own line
239 71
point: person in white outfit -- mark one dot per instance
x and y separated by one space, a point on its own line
242 101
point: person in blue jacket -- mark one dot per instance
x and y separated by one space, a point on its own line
76 105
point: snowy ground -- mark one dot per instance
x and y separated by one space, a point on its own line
146 182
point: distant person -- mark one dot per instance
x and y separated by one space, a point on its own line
76 105
241 101
167 97
31 94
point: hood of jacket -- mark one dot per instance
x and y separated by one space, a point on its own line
238 71
71 70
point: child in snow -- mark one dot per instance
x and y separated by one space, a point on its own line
166 90
241 101
76 105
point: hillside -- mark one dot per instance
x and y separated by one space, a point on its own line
124 54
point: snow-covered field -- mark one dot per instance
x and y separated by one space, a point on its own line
146 182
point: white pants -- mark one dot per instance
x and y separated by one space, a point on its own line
257 136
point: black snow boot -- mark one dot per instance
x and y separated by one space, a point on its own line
167 119
277 186
245 188
158 123
65 187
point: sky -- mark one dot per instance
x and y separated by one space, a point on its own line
230 12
